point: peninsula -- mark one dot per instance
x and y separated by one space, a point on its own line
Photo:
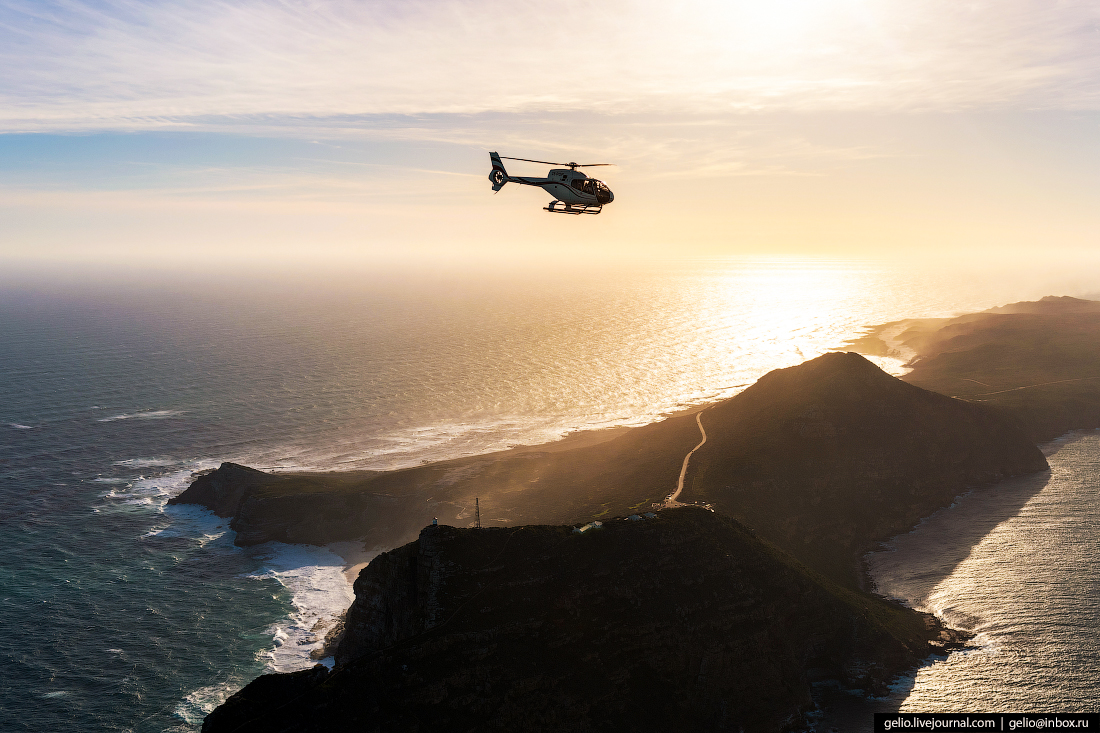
692 617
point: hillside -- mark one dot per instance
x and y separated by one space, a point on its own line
1037 363
829 457
682 622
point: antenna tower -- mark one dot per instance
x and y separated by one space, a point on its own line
477 513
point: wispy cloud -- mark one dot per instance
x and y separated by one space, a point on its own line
136 64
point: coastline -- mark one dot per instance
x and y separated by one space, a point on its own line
942 566
889 337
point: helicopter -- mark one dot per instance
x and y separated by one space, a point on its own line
579 193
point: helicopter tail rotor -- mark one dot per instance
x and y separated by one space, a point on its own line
498 176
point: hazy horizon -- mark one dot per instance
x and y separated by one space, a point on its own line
156 134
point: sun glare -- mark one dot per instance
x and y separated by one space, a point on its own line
779 23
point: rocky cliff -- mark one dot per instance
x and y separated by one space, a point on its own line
831 456
682 622
223 490
307 508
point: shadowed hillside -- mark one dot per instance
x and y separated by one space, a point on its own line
683 622
828 457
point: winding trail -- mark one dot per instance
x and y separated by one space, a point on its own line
671 500
1026 386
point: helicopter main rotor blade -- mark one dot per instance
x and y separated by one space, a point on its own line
547 162
544 162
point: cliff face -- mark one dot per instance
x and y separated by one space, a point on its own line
831 456
307 508
682 622
222 490
397 595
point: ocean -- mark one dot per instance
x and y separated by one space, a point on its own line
118 613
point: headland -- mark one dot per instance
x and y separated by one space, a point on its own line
805 471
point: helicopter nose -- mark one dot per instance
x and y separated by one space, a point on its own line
610 196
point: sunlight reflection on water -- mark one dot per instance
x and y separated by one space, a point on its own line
1031 590
1019 565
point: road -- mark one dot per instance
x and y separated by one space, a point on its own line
671 500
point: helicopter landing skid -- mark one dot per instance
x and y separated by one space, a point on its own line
554 208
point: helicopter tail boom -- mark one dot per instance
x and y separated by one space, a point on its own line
498 175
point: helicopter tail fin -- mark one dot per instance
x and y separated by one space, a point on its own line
498 175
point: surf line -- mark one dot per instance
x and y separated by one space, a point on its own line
671 500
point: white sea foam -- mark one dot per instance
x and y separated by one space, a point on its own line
183 521
890 364
157 462
200 703
148 415
18 426
412 446
149 491
319 592
153 491
193 522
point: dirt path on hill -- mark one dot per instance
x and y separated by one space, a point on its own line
671 500
1026 386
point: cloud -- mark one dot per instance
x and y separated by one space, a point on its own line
134 64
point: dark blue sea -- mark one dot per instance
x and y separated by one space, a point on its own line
118 613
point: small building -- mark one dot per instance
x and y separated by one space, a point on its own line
585 528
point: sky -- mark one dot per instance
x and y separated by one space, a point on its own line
333 132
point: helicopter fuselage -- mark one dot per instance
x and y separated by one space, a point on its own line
572 187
